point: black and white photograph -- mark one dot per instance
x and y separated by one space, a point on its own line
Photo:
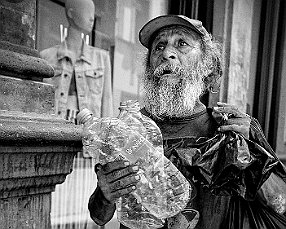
142 114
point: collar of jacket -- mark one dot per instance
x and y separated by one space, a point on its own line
64 52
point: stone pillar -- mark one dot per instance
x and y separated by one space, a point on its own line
36 147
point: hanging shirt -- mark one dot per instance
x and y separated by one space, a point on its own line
91 73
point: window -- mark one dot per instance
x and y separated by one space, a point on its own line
126 25
52 25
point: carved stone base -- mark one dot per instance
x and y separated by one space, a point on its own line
36 148
36 153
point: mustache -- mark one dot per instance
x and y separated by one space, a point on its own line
167 68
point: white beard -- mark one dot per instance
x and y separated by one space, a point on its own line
175 95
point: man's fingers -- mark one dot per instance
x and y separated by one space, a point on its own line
124 182
121 192
114 165
238 121
113 191
221 104
118 174
236 128
116 179
231 119
230 111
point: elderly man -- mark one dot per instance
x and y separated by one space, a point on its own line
182 62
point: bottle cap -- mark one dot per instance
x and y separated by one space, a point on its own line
123 104
83 115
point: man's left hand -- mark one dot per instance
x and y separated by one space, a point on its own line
231 119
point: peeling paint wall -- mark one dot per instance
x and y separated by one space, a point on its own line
240 53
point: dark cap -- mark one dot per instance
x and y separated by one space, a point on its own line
148 30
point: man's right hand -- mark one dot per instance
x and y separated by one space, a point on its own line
116 179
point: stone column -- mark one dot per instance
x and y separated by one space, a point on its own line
36 147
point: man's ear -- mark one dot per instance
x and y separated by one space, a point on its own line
70 12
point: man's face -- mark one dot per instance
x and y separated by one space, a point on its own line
173 81
175 47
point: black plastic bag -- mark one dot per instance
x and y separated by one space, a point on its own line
244 214
232 165
248 171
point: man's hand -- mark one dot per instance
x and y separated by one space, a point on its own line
116 179
231 119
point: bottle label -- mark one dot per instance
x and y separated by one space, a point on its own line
137 148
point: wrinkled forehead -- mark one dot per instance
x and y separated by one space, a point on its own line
176 30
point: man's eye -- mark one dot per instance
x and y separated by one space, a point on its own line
182 43
159 47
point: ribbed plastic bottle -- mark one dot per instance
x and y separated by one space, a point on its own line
162 191
107 139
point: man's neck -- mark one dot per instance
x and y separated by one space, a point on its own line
199 107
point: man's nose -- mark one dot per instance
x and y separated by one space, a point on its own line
169 53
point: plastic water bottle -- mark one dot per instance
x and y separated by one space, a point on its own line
107 139
162 191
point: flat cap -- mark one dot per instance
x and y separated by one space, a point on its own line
150 28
